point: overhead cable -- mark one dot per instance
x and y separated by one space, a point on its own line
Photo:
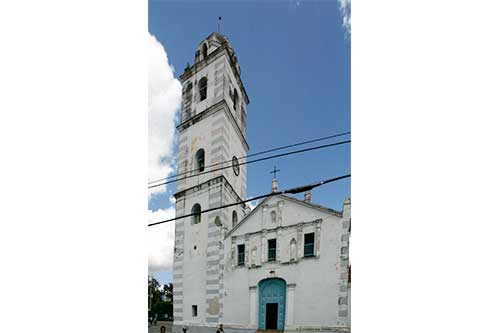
294 190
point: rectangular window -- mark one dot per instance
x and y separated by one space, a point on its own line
194 310
241 255
309 245
271 249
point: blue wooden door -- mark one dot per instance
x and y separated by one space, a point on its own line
272 291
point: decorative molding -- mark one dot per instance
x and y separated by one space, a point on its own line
264 231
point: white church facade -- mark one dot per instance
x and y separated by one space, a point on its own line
283 265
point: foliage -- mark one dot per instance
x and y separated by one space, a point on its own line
160 299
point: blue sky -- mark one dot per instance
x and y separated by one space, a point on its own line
295 60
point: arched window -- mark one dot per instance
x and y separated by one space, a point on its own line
200 160
235 218
204 51
195 219
202 85
235 99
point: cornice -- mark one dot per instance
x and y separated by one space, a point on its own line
209 111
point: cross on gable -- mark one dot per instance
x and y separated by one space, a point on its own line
275 171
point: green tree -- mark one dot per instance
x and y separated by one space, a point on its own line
168 291
160 299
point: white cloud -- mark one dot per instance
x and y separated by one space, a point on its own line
165 93
253 204
161 240
345 10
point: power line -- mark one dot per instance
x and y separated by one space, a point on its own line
256 154
294 190
253 161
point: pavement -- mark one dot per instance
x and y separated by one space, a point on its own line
156 328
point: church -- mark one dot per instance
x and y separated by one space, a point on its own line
283 265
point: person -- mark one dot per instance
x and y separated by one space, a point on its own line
184 329
155 318
220 329
163 329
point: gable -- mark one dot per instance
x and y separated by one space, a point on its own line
281 210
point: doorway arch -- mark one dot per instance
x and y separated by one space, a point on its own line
272 304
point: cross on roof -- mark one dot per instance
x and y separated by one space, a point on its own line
275 171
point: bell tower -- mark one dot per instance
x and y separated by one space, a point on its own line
212 131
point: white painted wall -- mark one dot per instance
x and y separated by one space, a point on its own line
313 282
194 261
201 134
218 134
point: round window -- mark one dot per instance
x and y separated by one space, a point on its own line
236 166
